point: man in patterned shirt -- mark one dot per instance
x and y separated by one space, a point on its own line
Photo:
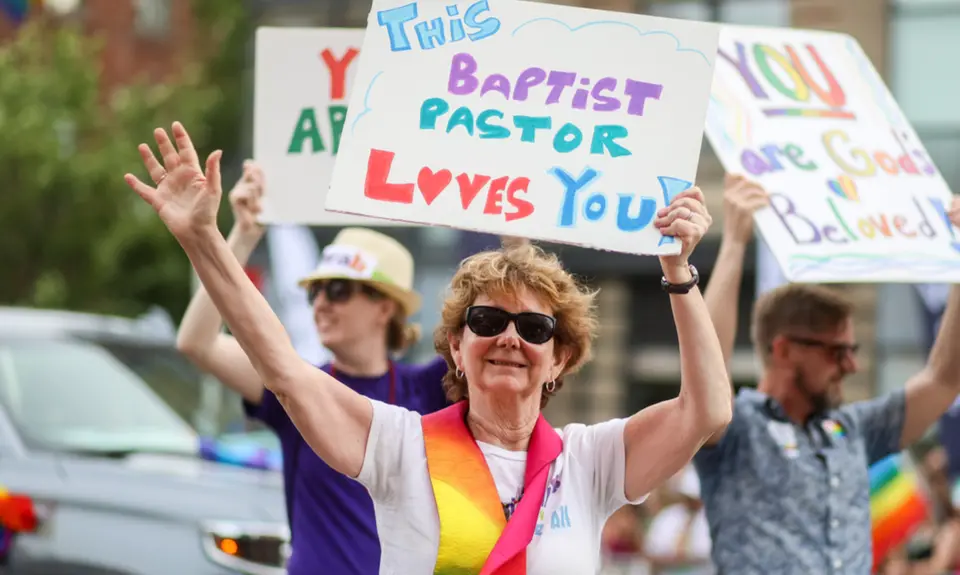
785 486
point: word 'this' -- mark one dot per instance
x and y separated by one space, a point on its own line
434 32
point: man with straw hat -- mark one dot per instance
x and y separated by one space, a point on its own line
362 297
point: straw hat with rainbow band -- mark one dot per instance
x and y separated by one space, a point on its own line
371 258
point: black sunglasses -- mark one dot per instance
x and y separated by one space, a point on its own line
839 351
489 321
338 290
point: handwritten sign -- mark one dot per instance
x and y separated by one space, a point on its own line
854 195
303 80
527 119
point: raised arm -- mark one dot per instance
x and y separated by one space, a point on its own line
200 335
741 198
888 424
661 439
930 393
333 419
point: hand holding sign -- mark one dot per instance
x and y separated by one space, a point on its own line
954 213
741 198
186 198
245 199
687 219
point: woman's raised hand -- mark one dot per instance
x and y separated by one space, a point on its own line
245 199
185 197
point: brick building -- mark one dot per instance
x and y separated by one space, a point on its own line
149 37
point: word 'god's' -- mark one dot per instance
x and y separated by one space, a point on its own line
607 94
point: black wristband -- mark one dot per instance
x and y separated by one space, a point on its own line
681 288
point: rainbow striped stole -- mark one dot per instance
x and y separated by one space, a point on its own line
475 537
898 504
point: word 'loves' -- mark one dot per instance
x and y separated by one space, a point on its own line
502 192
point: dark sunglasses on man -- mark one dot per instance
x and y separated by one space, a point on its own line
339 290
489 321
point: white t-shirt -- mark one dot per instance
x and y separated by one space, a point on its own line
587 477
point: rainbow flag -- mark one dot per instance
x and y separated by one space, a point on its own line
242 450
898 504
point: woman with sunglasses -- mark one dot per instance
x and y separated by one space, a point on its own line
485 484
361 295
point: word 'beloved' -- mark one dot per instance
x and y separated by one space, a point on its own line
853 160
786 73
433 33
500 191
602 97
594 207
487 125
842 228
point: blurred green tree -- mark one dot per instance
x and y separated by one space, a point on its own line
72 234
225 48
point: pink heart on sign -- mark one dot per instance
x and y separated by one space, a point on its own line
432 183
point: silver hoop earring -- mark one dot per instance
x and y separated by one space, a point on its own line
550 386
459 374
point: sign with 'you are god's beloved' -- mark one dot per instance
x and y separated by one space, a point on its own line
525 119
854 194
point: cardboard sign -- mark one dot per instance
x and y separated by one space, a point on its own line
303 80
855 196
526 119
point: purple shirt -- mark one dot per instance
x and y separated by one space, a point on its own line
332 523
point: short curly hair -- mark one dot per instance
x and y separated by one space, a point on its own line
506 272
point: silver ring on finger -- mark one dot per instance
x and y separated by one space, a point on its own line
162 176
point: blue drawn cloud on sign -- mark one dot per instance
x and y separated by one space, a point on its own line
366 102
574 29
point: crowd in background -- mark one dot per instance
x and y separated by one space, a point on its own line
668 534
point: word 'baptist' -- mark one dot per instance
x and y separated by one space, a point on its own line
432 33
463 81
432 183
